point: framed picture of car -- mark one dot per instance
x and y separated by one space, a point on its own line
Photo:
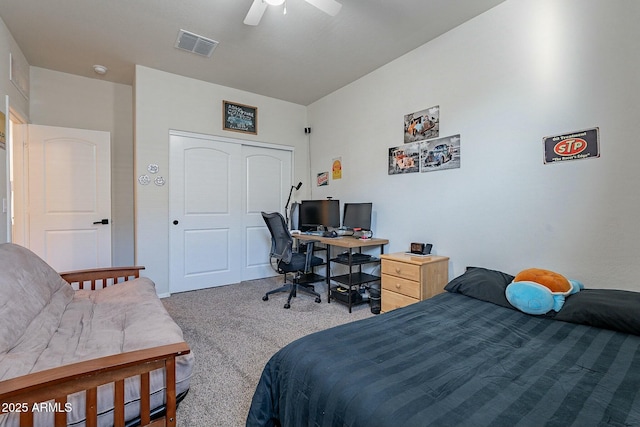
239 117
424 124
404 159
439 154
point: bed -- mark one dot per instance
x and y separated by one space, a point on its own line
464 357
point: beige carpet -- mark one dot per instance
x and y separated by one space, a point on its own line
233 333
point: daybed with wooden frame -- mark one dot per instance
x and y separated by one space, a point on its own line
122 363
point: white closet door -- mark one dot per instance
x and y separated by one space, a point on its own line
205 201
267 184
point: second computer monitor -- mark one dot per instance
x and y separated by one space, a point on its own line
319 213
357 215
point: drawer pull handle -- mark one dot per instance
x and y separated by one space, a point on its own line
397 270
397 285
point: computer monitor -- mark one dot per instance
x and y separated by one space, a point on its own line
357 215
319 213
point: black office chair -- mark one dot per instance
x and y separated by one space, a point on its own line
285 260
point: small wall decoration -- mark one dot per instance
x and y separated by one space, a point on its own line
404 159
323 179
424 124
3 137
336 168
239 117
584 144
439 154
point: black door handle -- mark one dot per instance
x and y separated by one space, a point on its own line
103 221
175 222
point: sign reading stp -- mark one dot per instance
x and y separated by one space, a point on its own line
578 145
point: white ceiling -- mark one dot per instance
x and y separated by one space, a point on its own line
298 57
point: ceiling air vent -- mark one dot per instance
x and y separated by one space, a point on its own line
195 44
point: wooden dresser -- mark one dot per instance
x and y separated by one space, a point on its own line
407 279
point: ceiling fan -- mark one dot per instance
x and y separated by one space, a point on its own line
330 7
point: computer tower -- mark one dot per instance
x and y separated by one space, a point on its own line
294 216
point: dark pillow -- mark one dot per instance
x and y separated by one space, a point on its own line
483 284
604 308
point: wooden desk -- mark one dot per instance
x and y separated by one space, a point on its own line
346 242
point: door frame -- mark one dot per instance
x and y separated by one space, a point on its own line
16 206
243 142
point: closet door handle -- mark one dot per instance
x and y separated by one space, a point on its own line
104 221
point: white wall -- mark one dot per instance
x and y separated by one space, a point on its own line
66 100
521 71
17 102
166 101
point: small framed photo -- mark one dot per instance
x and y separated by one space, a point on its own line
239 117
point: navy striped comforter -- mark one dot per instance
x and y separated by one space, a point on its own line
453 361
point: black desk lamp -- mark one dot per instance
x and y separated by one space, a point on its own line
286 207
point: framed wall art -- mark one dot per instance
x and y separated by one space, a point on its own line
424 124
239 117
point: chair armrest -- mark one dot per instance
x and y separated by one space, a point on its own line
59 382
101 277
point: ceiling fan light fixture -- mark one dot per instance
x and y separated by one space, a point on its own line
274 2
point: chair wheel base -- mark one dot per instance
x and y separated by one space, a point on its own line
318 300
265 298
287 305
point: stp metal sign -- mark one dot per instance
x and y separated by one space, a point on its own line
579 145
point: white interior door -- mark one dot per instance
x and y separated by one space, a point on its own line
205 191
69 196
267 176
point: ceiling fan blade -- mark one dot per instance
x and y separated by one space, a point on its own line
330 7
255 12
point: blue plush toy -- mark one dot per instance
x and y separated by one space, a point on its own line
538 291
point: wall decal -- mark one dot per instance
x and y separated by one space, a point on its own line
336 168
584 144
323 179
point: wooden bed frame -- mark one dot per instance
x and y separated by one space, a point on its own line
55 384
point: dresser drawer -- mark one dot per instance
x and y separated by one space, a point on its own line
401 269
392 300
402 286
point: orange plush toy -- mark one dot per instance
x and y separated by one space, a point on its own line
537 291
552 280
